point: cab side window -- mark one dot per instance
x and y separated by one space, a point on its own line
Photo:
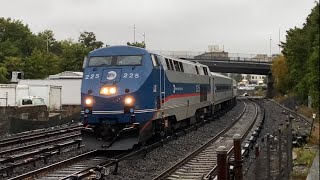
155 60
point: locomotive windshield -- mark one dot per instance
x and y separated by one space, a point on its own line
115 61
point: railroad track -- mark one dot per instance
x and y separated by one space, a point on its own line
27 137
298 116
202 162
97 163
20 150
74 168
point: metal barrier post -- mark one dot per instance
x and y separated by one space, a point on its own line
268 157
279 152
289 147
237 156
256 152
222 162
311 130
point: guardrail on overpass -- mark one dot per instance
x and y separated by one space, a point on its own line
219 56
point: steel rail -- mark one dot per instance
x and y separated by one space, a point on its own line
173 168
291 111
230 151
109 162
11 150
27 137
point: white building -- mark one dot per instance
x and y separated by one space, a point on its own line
70 83
254 78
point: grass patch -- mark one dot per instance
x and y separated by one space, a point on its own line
297 175
304 110
305 156
314 139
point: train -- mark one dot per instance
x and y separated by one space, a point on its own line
130 95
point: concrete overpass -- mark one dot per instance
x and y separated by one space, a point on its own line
240 67
225 62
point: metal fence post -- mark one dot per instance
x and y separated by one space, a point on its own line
222 162
280 152
268 157
311 130
7 100
256 150
289 147
237 156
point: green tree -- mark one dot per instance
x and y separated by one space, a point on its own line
36 65
3 74
88 39
72 56
19 36
248 77
301 51
280 74
13 64
237 77
47 42
137 44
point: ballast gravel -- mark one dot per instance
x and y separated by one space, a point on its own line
162 158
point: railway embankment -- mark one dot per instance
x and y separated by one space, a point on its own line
19 119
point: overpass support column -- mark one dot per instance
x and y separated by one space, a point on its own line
270 87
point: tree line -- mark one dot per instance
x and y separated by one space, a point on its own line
40 55
297 70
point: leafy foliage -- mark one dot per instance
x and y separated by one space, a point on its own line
40 55
301 53
237 77
137 44
88 39
279 70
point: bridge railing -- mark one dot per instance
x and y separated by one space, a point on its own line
218 56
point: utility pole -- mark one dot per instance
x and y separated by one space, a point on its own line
47 44
279 43
144 39
270 46
134 33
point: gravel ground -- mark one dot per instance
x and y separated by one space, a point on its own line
66 153
5 136
275 118
39 141
162 158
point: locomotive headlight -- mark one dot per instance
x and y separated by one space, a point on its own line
128 100
104 90
113 90
88 101
108 90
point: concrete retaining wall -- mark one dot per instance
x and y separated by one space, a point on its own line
19 119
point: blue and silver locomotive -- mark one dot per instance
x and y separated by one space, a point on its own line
135 93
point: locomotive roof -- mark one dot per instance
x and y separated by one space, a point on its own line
132 50
118 50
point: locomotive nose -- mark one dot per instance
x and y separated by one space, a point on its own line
111 75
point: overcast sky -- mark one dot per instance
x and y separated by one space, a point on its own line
243 26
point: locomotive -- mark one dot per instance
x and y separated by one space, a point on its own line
130 95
